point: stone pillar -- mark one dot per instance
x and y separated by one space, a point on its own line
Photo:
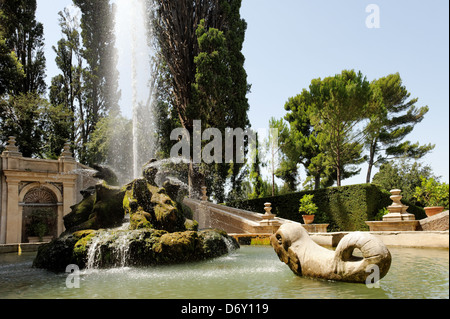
13 216
68 166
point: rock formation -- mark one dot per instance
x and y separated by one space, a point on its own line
295 247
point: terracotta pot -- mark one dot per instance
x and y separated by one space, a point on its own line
308 219
431 211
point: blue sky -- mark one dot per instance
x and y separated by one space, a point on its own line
290 42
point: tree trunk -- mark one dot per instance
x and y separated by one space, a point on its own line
371 161
369 173
317 182
338 168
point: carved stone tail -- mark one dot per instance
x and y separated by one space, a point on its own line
372 252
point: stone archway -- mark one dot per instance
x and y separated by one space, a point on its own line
39 212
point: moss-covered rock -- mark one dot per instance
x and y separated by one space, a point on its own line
160 231
80 213
108 211
56 255
103 209
144 247
151 207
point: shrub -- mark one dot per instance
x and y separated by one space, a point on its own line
307 206
432 193
345 208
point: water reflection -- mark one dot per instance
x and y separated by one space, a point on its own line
249 273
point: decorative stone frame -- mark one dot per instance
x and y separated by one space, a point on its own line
21 175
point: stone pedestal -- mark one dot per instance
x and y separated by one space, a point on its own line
405 225
316 228
398 218
269 218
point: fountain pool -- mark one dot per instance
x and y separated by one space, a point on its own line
253 272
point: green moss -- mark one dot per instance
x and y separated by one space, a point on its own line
190 224
152 207
140 220
178 247
84 237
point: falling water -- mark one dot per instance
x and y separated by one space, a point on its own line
116 244
134 64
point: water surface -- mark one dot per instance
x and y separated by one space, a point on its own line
248 273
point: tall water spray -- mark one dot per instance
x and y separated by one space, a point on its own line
134 58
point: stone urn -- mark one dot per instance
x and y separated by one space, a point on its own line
308 219
431 211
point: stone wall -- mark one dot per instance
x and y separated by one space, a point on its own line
437 222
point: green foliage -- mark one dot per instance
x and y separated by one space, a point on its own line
432 193
324 132
10 68
206 80
41 222
382 212
22 116
307 206
345 208
111 144
321 135
25 36
255 174
260 241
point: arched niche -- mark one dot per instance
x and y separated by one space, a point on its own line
41 211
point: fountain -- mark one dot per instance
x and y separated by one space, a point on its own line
139 224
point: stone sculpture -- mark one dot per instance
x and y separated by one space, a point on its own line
295 247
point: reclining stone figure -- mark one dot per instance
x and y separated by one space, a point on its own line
295 247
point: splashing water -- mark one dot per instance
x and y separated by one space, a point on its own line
167 171
230 246
133 42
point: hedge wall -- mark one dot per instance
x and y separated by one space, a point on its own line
345 208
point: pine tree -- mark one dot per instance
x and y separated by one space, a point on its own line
338 107
392 118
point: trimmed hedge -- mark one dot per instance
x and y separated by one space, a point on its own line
345 208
